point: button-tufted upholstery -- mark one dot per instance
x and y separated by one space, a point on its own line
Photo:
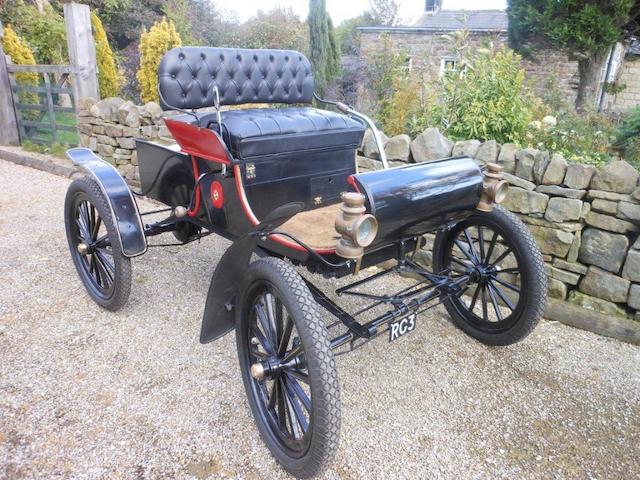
268 131
186 76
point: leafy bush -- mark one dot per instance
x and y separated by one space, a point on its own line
161 38
486 97
628 137
391 84
277 28
107 70
584 138
21 54
44 32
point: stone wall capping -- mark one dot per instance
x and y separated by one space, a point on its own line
617 176
579 176
556 170
525 160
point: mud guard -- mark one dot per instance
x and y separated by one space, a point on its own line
219 315
124 208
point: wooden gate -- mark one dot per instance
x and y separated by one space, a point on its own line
44 103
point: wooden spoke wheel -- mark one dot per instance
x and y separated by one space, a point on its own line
506 295
95 245
288 368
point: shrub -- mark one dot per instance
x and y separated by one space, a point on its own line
107 70
21 54
161 38
486 97
45 33
628 137
392 87
580 138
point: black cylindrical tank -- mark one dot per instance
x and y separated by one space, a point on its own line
421 197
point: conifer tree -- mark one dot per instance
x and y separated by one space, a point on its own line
107 69
161 38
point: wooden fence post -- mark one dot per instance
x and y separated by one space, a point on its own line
8 123
82 50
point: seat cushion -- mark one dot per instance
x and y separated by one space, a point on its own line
272 131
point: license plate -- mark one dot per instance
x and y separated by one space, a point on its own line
401 327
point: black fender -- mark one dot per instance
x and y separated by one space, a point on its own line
219 316
124 208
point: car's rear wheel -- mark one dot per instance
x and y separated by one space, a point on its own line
506 296
288 368
95 245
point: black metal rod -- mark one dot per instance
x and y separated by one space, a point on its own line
365 280
400 311
373 325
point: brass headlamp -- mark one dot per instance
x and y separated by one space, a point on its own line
357 229
494 188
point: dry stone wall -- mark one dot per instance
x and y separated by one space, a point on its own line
109 127
586 220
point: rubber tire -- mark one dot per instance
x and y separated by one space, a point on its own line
122 278
323 377
533 267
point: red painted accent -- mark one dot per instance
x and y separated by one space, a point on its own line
254 221
351 180
197 141
196 173
217 197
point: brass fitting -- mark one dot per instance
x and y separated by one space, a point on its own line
494 188
83 248
257 371
357 230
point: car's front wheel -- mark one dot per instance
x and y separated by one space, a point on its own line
288 368
507 293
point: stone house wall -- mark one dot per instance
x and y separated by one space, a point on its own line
585 220
426 49
630 96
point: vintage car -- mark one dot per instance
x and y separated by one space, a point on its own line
282 183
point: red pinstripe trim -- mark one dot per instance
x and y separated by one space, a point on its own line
196 173
252 218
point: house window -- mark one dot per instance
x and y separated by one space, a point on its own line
432 6
448 65
408 64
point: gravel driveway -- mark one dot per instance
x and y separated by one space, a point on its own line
85 393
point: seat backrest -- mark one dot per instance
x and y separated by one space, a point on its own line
186 77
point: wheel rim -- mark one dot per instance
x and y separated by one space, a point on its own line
91 248
494 298
283 396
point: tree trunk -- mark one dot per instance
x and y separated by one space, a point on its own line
590 71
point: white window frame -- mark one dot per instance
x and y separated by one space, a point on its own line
443 65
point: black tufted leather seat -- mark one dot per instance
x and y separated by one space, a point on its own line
268 131
187 75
